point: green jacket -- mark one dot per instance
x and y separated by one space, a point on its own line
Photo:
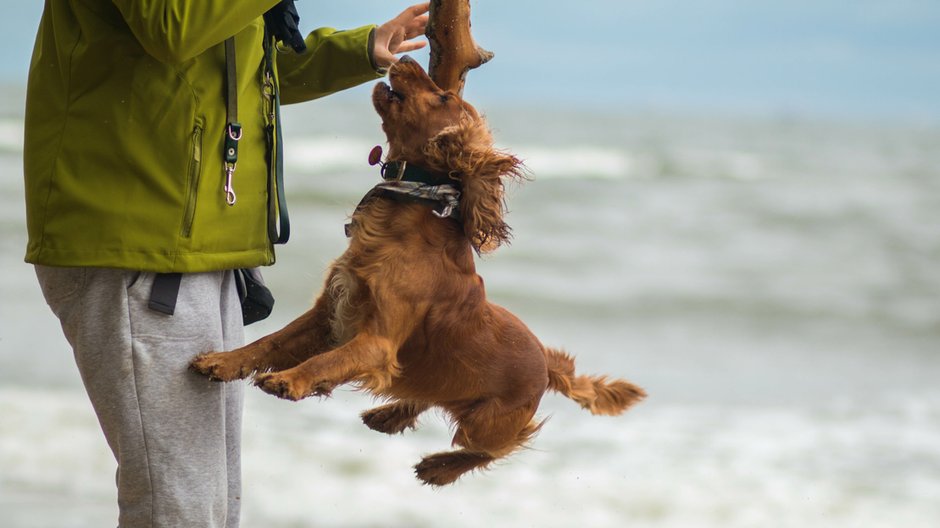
125 117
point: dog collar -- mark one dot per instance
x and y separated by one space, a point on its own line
406 182
406 172
402 171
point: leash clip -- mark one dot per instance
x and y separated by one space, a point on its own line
233 133
229 188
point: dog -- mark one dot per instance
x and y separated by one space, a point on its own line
403 314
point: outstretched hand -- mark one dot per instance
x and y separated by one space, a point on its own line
398 34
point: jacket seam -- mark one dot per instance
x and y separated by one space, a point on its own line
58 151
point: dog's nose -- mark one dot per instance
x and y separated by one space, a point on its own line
406 58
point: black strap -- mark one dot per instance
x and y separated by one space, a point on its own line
404 171
233 129
282 235
163 293
231 82
278 217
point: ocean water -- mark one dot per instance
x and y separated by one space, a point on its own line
772 283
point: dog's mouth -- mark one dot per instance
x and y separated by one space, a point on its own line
398 76
389 93
384 98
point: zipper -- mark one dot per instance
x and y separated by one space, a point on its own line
195 169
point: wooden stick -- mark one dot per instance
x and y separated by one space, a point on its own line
453 50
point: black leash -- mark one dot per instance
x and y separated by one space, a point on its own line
278 217
233 129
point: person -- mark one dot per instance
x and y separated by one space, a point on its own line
126 119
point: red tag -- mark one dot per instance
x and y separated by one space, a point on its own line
375 156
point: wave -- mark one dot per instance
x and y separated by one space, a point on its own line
348 154
867 463
576 162
319 154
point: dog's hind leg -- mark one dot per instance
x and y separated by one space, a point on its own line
487 431
394 417
306 336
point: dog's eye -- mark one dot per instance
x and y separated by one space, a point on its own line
445 98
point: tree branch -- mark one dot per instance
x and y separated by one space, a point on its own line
453 50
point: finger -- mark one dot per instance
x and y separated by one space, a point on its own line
415 29
418 25
414 13
405 47
414 34
419 9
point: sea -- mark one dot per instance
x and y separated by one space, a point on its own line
771 280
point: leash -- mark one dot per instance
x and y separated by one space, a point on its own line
278 217
233 129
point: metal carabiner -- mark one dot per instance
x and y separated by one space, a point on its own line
234 131
229 189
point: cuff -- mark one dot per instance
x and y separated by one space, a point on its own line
371 45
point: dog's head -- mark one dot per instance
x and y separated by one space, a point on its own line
437 130
414 110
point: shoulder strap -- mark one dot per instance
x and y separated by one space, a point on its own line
233 129
231 82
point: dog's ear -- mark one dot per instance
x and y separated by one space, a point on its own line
466 152
482 201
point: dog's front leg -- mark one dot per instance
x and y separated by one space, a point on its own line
308 335
367 360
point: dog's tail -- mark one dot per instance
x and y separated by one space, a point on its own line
594 393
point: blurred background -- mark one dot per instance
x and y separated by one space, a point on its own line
734 204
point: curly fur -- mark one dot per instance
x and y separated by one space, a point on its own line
465 152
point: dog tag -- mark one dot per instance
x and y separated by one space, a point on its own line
375 156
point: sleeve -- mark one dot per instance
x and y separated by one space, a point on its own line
334 60
177 30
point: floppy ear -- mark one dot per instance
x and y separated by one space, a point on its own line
466 152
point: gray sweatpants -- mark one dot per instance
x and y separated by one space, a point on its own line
175 434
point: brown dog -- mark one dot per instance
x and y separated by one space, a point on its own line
403 313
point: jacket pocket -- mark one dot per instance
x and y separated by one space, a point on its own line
192 181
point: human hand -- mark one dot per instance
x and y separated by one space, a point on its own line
396 35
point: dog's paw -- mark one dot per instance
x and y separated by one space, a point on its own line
285 386
444 468
217 367
276 385
389 419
